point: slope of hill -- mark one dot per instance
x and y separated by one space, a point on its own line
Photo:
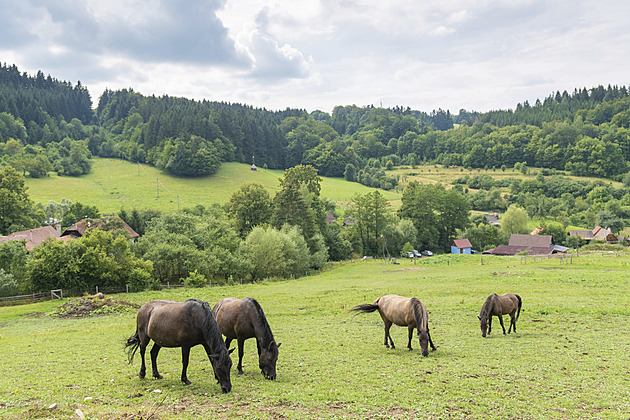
114 184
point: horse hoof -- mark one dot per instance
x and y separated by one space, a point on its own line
240 372
187 382
158 376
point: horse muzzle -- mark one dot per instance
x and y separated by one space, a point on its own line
226 388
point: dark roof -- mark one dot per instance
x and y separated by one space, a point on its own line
462 243
78 229
531 240
515 249
32 237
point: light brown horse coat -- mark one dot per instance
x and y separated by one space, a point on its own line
405 312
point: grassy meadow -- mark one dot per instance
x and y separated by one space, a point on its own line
568 360
114 184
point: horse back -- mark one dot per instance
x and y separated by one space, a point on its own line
173 324
235 317
397 309
508 303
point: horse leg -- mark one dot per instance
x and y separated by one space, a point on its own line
388 325
143 366
512 323
489 324
154 353
185 358
501 321
410 337
241 348
430 341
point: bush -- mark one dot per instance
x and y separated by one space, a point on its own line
195 280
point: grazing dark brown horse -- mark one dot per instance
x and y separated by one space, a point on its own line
498 306
241 319
180 324
409 312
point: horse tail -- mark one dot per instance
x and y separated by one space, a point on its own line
520 304
366 308
132 345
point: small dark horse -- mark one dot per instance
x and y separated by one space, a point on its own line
185 325
409 312
243 319
496 305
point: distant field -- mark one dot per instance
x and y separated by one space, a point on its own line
114 184
438 173
568 360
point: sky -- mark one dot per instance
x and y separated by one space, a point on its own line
477 55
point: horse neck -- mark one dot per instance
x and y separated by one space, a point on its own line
487 307
261 326
421 319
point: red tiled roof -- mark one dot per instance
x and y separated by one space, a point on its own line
32 237
462 243
79 228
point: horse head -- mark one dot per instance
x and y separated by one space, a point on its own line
424 341
221 364
267 360
483 321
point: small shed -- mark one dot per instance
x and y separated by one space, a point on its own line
253 167
461 246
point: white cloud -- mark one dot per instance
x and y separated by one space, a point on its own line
474 54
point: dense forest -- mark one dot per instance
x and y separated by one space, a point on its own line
49 125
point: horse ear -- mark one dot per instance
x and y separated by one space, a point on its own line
479 317
279 344
230 351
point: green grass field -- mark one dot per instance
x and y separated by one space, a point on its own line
568 360
114 184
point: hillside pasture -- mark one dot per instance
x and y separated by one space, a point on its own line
568 359
114 184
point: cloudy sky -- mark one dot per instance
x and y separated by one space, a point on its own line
316 54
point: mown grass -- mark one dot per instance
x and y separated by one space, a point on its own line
568 359
114 184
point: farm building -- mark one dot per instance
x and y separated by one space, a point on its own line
598 233
33 237
461 246
79 228
531 244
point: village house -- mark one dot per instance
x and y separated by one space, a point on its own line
461 246
79 228
598 233
530 244
33 237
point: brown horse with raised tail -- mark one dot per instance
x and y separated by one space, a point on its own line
406 312
498 306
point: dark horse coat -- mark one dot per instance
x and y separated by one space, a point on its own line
498 306
241 319
180 324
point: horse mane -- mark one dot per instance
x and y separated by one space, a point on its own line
262 324
487 305
209 327
417 311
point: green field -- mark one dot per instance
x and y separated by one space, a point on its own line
114 184
568 360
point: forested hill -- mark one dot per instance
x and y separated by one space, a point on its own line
563 106
39 98
50 125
